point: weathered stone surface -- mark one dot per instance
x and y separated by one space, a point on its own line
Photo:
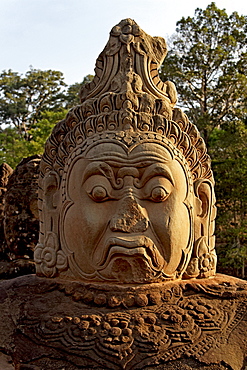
19 222
125 260
5 172
193 323
21 211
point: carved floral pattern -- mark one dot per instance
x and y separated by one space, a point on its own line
49 259
181 325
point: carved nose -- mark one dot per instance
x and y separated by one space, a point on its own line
129 217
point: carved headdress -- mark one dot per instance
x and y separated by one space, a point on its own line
126 102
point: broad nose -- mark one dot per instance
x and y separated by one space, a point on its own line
130 217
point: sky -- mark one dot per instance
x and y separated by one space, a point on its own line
68 35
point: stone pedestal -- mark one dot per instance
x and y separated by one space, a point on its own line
56 324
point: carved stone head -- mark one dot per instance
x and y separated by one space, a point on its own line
126 189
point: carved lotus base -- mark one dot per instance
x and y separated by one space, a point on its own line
56 324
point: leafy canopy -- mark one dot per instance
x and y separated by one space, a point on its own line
208 63
24 98
30 106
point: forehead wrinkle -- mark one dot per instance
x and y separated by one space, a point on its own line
137 160
136 154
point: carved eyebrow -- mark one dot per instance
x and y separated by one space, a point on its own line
100 168
156 169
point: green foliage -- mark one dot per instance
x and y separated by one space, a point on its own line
24 98
30 105
230 169
207 62
14 147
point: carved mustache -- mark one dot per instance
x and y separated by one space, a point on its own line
130 246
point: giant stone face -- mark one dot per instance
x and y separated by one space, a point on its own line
128 217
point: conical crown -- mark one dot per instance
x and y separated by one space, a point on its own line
127 95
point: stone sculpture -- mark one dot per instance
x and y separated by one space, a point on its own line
126 260
21 211
5 172
20 220
115 160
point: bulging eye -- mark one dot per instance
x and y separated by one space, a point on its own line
99 193
158 194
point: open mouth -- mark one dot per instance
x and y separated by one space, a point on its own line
130 246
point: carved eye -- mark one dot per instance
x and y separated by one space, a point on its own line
99 193
158 194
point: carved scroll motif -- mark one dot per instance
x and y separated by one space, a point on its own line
180 326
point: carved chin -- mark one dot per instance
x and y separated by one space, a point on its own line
130 269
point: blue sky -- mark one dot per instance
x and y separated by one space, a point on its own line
68 35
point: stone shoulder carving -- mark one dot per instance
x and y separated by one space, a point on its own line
127 328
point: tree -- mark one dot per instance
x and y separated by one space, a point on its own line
230 169
24 98
13 147
30 105
208 63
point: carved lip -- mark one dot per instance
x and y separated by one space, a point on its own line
131 245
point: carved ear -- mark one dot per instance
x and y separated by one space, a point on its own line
203 208
51 201
51 186
48 256
203 258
